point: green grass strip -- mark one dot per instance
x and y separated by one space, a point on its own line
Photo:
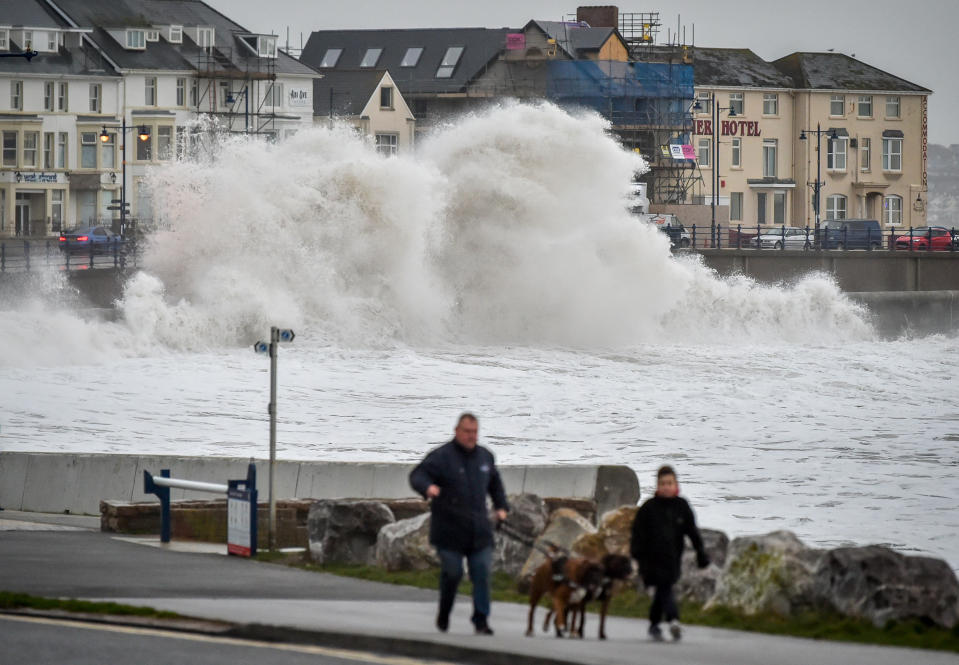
629 603
10 600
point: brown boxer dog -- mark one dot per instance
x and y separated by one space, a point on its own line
616 568
567 581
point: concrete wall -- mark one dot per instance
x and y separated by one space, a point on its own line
856 271
922 313
76 483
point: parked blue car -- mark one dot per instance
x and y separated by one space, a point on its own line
99 239
851 234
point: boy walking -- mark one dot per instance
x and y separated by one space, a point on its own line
657 542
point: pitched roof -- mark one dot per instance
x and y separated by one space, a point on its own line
838 71
351 90
162 55
480 47
29 14
575 37
735 67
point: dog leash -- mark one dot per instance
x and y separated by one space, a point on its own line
549 548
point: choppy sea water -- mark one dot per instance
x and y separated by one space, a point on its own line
494 270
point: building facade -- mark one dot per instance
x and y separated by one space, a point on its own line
781 127
128 81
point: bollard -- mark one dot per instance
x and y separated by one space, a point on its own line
3 257
694 236
26 253
719 237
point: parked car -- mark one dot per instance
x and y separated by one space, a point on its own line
929 238
851 234
99 239
779 238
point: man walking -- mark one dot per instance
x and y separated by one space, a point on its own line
456 478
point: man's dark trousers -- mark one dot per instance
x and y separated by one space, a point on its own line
451 572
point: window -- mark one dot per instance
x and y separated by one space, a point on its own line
27 40
204 37
48 150
16 95
10 148
4 40
63 104
450 60
893 107
56 209
108 152
865 154
770 151
136 39
736 206
864 106
837 106
150 91
164 142
412 57
153 35
779 208
836 207
705 103
52 41
62 139
226 92
371 57
194 92
770 103
836 154
266 47
760 208
702 153
386 97
144 148
387 144
181 92
331 57
892 210
30 140
892 154
96 94
88 150
736 158
48 95
274 95
736 103
176 34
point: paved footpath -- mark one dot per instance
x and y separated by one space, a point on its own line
67 557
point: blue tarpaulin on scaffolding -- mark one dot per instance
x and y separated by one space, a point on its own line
625 92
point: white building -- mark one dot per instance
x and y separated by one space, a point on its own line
158 68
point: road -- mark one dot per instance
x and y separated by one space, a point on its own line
45 641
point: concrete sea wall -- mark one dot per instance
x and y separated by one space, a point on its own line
76 483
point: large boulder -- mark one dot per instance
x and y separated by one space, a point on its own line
774 573
527 516
699 585
881 585
585 507
405 545
564 528
345 530
612 536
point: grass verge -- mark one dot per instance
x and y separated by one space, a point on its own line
629 603
10 600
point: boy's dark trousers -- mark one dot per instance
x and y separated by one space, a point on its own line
664 602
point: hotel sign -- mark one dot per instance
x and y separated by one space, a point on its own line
729 128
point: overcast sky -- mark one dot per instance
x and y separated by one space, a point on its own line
915 40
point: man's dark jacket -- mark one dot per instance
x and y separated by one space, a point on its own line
460 520
658 539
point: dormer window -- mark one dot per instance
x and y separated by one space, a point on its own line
153 35
175 34
4 40
52 44
204 37
371 57
331 57
450 60
266 46
27 40
136 39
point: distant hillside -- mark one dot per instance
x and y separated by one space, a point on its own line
943 175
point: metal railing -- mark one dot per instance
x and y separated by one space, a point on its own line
826 238
29 255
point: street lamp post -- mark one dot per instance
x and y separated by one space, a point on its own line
817 186
143 134
714 111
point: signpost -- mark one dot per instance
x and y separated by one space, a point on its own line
241 515
277 335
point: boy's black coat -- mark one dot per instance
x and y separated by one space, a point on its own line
460 521
658 538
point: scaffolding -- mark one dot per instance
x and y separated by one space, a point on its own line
237 90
